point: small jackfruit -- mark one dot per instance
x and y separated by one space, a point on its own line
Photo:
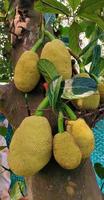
83 136
90 102
56 52
26 75
101 91
66 151
31 146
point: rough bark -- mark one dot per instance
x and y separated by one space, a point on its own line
52 182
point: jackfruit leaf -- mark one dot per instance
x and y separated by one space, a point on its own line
2 147
51 6
54 92
95 60
99 169
3 131
90 6
90 28
47 69
74 3
15 191
79 87
94 18
74 32
98 70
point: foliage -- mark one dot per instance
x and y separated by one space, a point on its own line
5 47
74 17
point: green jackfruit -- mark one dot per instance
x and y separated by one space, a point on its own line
66 151
26 75
83 136
89 103
56 52
31 146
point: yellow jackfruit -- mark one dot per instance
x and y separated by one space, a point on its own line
56 52
89 103
101 91
66 151
31 146
83 136
26 75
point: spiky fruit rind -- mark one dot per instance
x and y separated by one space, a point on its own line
56 52
89 103
66 151
83 136
26 75
31 146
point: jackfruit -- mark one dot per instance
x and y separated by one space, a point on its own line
56 52
90 102
83 136
31 146
101 91
26 74
66 151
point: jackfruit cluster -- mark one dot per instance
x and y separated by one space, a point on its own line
26 74
75 144
31 146
56 52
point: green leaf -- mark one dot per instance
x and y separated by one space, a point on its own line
74 3
2 147
91 26
54 92
90 6
99 168
17 190
3 131
98 69
6 5
51 6
94 18
47 69
79 87
96 60
74 32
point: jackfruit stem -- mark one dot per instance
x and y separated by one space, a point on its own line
42 106
69 112
60 122
49 35
38 43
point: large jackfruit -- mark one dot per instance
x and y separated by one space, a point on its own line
89 103
26 75
31 146
56 52
66 151
83 136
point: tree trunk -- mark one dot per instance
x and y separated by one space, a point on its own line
53 182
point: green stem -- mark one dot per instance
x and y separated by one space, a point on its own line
38 44
60 123
81 67
49 35
69 112
43 105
